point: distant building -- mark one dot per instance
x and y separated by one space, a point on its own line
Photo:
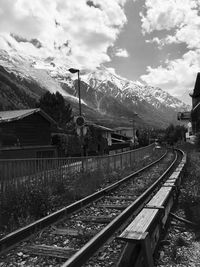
100 139
26 134
126 131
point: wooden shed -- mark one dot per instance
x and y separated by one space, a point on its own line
26 133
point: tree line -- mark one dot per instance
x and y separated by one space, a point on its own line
56 107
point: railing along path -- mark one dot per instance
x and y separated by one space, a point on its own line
21 174
78 236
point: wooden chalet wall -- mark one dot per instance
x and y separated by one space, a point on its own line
195 119
195 113
29 137
196 92
28 152
32 130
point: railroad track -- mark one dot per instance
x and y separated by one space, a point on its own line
87 224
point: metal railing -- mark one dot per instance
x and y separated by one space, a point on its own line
15 173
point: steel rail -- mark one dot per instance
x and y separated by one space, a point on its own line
80 257
19 235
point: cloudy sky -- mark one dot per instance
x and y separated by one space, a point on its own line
151 41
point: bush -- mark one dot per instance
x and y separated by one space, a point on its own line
20 204
67 144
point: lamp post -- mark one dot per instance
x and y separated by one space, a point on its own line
72 70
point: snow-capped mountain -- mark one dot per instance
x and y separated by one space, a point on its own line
105 96
154 106
102 80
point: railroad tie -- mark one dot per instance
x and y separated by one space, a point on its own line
126 198
112 206
49 251
72 232
94 219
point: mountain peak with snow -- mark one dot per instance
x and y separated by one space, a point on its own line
102 77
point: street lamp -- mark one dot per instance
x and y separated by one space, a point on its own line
72 70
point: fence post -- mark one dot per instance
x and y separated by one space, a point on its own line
121 160
115 162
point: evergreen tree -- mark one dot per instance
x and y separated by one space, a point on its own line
56 107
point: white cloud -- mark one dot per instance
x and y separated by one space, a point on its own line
121 53
82 30
160 42
182 16
182 19
177 76
111 70
169 14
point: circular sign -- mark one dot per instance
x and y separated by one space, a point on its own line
80 121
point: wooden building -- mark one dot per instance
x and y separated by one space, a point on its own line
195 112
26 134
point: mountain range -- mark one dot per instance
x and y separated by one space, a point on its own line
106 98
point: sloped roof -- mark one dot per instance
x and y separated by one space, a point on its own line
100 127
14 115
103 128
